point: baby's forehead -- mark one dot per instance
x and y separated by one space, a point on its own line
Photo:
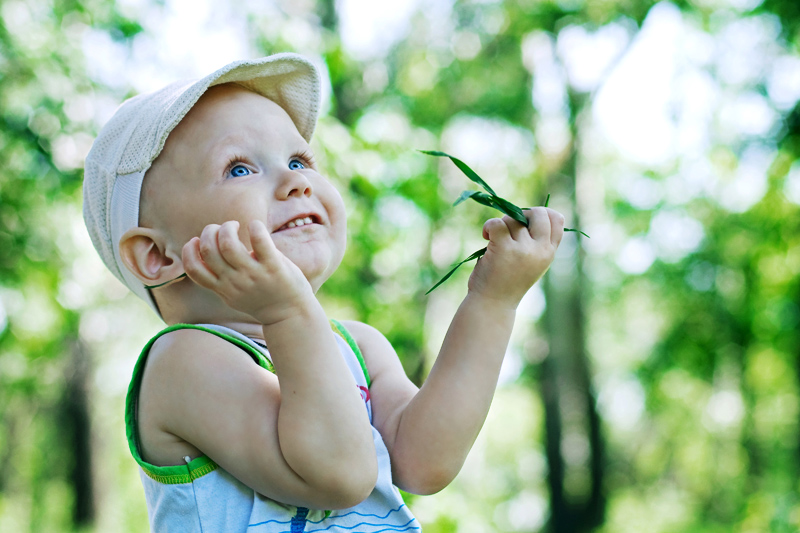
227 110
220 94
219 100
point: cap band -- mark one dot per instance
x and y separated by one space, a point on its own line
124 216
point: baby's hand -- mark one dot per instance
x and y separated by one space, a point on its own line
263 282
516 256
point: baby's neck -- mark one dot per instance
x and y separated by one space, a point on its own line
183 305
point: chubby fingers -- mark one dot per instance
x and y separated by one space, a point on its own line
217 249
556 226
202 259
261 241
496 230
209 249
230 247
539 226
545 224
194 266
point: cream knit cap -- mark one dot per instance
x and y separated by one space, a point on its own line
129 143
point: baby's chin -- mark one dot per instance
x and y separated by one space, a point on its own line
316 265
318 276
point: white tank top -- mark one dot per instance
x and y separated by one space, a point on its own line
201 497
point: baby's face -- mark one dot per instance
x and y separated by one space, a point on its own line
238 156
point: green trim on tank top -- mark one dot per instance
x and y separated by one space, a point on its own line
180 474
342 331
202 465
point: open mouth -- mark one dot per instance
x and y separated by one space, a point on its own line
302 220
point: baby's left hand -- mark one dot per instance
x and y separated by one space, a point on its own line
261 282
516 256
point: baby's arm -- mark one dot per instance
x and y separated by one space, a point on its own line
430 432
303 437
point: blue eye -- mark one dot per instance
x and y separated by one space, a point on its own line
239 171
296 164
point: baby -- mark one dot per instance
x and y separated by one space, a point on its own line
253 411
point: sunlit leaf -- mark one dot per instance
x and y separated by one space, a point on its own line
511 210
464 168
466 195
577 231
490 199
475 255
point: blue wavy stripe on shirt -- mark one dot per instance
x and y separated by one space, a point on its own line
390 528
357 513
331 518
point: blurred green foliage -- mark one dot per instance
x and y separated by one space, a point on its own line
652 382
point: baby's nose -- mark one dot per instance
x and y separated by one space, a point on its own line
293 183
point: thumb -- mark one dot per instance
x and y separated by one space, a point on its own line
495 229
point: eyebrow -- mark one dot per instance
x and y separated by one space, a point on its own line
239 143
235 141
225 148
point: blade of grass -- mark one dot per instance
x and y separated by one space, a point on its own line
547 201
484 199
495 202
464 168
466 195
475 255
511 210
577 231
490 200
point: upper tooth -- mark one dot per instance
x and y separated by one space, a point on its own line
299 222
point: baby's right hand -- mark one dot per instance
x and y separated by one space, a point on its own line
517 256
263 282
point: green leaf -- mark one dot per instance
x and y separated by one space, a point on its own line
475 255
484 199
464 168
495 202
547 201
489 200
466 195
511 210
577 231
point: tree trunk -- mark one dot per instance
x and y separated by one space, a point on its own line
76 431
571 420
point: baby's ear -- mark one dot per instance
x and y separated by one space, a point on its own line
145 254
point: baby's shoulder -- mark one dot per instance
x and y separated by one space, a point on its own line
180 341
362 333
180 351
374 346
190 376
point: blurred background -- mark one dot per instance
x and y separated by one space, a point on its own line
652 380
